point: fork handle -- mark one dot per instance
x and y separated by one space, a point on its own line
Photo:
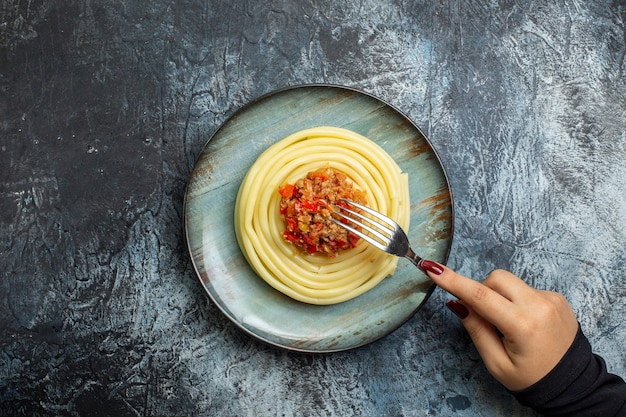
411 256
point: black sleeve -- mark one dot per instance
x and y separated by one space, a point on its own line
578 386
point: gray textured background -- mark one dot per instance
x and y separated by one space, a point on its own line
104 106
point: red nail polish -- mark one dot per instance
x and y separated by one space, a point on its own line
457 308
429 266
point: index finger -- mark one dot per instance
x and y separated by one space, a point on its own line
488 303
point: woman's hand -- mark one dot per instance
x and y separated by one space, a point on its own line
520 332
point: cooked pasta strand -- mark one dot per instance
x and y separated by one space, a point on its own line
258 225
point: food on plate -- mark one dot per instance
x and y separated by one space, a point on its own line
308 275
307 206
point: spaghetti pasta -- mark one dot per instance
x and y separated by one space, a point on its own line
258 225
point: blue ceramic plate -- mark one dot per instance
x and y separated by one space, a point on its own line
244 297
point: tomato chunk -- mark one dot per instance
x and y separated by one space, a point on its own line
286 191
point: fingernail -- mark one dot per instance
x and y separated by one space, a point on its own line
457 308
429 266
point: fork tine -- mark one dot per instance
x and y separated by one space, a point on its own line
385 239
378 233
358 233
372 212
396 243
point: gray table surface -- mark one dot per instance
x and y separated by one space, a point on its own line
105 105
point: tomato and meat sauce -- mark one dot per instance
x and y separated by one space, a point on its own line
306 208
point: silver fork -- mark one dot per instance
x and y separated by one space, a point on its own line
383 233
